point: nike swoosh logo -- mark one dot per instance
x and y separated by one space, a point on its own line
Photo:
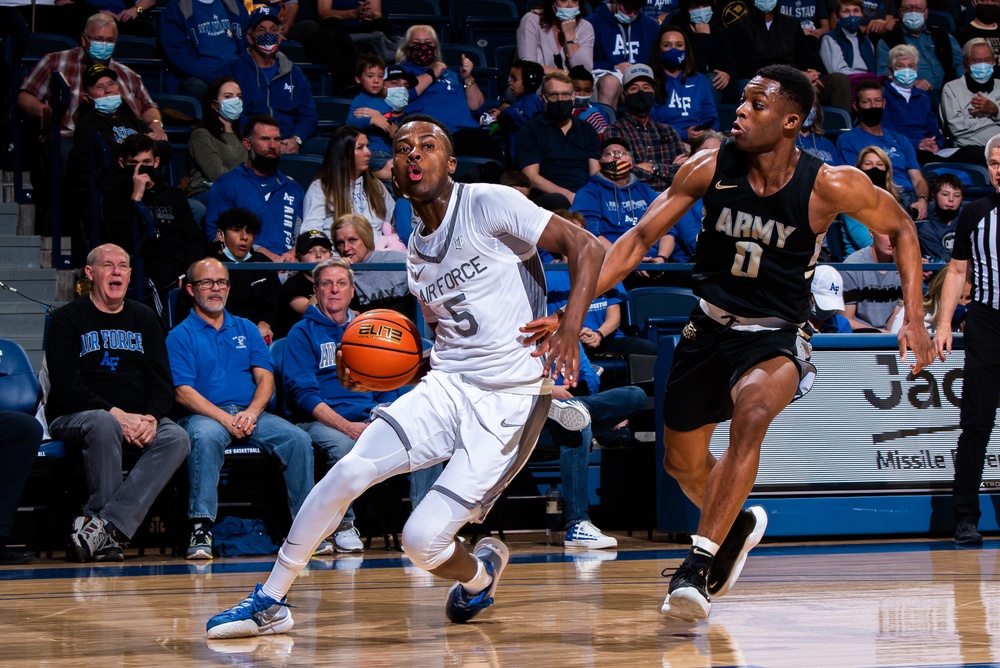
503 423
719 186
418 272
259 280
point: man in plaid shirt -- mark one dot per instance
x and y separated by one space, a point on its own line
657 149
99 37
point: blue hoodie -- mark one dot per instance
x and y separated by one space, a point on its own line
201 38
687 101
612 211
615 43
378 139
276 200
287 96
309 372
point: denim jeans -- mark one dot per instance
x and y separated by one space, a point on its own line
124 504
334 444
273 435
607 408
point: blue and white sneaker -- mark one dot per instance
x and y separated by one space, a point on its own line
570 414
256 615
585 536
460 606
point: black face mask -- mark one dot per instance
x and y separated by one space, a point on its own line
559 111
265 164
639 104
148 170
947 215
871 116
987 13
877 176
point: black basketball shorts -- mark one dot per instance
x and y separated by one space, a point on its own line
710 359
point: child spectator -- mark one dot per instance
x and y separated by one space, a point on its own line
937 233
370 111
252 294
583 91
299 292
525 80
846 49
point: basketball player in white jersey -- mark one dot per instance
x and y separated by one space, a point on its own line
474 268
767 207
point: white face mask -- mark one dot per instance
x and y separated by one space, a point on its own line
397 97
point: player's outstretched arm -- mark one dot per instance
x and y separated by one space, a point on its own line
851 191
584 255
690 183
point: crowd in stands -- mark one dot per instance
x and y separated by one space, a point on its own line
592 115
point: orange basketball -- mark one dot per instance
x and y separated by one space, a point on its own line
382 349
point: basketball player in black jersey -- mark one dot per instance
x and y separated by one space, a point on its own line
767 206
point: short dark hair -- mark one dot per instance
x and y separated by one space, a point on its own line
866 84
238 219
135 144
632 5
515 178
531 75
795 86
259 119
427 118
580 73
947 179
367 61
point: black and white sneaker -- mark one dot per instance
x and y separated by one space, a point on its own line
688 599
744 535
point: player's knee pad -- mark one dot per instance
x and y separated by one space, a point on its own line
349 477
428 538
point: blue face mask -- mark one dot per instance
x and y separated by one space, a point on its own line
101 51
567 13
766 6
981 72
397 97
108 104
231 108
673 57
701 15
905 76
850 23
624 18
914 21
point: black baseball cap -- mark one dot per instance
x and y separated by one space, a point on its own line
309 239
96 72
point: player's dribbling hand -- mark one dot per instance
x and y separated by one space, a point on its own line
539 330
563 358
913 335
344 374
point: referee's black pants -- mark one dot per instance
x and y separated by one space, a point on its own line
980 394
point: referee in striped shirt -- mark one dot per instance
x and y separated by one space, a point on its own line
977 241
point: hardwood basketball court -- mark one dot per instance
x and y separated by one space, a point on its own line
899 603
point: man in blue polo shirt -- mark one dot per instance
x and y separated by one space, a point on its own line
556 150
224 377
330 413
906 175
261 189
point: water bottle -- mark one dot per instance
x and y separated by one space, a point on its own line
554 515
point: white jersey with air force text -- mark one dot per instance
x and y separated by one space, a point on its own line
479 278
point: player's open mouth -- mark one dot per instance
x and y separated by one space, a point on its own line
414 172
736 130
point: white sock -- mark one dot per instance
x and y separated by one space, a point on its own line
704 544
480 581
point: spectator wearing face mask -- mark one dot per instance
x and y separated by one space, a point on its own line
372 111
656 148
970 105
272 84
683 96
555 150
846 49
826 302
937 233
811 138
983 24
583 93
909 110
623 36
710 46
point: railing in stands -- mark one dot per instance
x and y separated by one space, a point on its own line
60 93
